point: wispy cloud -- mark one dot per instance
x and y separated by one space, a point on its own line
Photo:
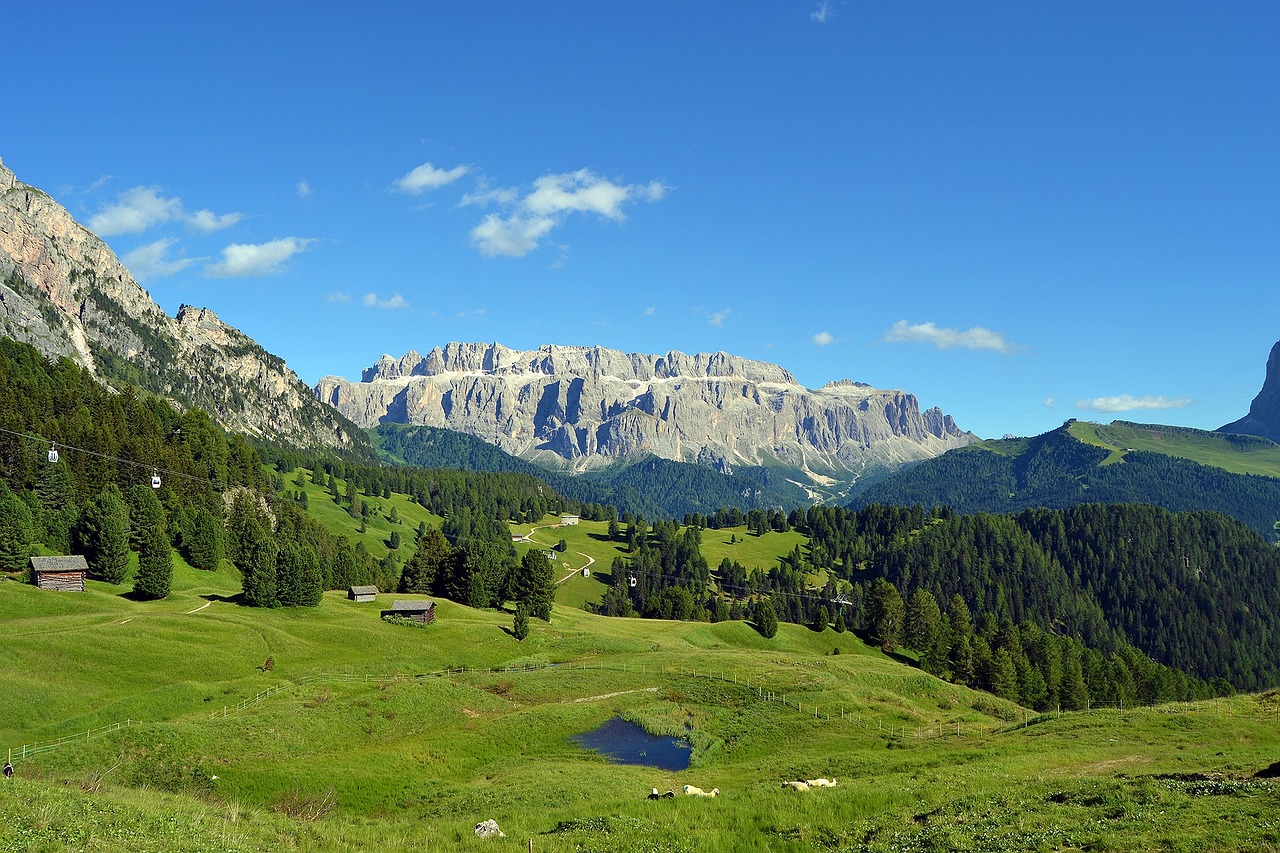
529 218
822 339
648 312
135 211
717 318
150 261
206 221
976 338
304 189
338 298
256 259
427 177
372 300
140 208
823 13
1128 403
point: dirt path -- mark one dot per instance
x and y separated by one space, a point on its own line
619 693
198 609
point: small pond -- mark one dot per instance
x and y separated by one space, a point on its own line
623 742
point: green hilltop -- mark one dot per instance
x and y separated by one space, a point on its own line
1177 468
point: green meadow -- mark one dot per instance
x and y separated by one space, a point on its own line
1234 453
385 737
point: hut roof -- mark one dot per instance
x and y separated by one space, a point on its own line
401 604
364 590
74 563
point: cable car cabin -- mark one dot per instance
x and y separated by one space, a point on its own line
64 574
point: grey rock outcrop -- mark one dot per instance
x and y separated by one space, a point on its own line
64 291
1264 413
588 407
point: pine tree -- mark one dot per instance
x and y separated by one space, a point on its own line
885 615
103 533
17 530
520 626
766 619
155 564
534 584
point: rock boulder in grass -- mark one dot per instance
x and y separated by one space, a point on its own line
489 829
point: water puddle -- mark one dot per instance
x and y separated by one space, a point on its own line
623 742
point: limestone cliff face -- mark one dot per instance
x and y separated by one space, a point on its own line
64 291
1264 413
587 407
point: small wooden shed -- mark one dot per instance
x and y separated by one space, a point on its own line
65 574
418 611
362 593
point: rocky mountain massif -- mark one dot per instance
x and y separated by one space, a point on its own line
65 292
1264 413
586 408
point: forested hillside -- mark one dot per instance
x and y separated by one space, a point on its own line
1057 470
654 488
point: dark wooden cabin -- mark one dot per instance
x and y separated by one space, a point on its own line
418 611
66 574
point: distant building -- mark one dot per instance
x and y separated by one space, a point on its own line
418 611
569 520
66 574
362 593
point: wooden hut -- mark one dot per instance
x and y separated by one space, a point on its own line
66 574
418 611
362 593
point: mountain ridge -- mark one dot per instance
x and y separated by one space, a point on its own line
1264 412
66 293
581 408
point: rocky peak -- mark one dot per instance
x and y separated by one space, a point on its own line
65 292
1264 413
587 407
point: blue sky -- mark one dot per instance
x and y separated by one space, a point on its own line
1019 212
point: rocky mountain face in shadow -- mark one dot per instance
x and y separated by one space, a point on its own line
1264 413
590 407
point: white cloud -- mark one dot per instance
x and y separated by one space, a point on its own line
823 13
141 208
339 298
648 312
1127 403
206 221
371 300
135 210
528 219
427 177
717 318
513 235
975 338
822 339
252 259
149 261
304 189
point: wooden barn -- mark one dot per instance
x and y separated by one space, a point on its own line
418 611
66 574
362 593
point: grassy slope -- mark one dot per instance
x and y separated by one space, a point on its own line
414 765
1237 454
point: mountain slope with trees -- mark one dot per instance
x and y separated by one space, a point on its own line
1059 470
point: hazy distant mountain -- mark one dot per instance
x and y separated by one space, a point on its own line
65 293
1264 414
1177 468
587 408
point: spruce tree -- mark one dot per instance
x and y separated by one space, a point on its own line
103 534
766 619
155 564
16 532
